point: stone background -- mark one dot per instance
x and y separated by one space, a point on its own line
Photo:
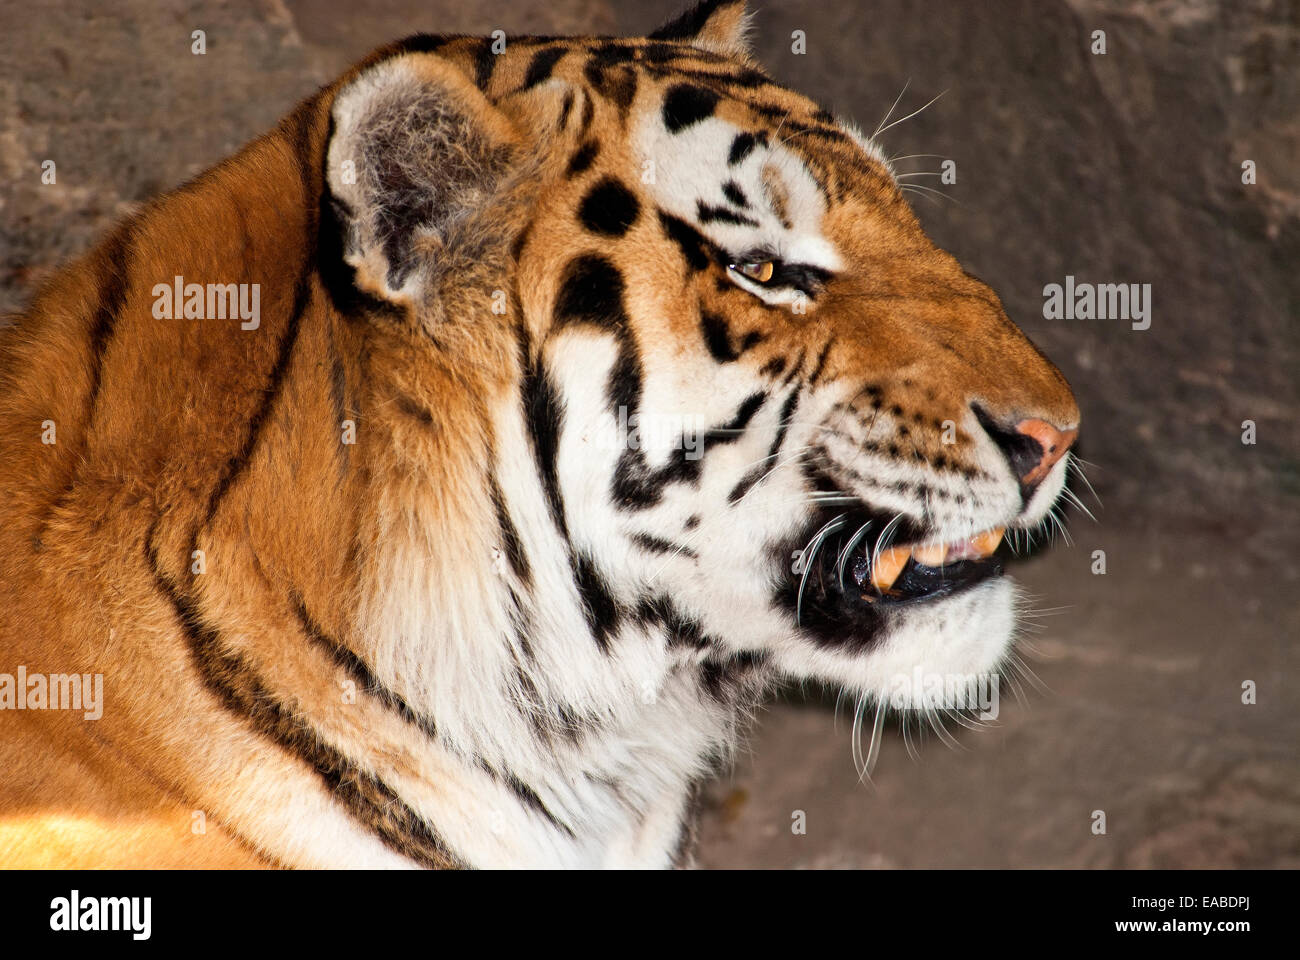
1117 168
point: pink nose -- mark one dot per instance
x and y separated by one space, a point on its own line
1052 442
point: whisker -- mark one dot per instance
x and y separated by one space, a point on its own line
807 562
865 765
848 549
914 156
885 538
907 189
885 119
909 116
930 190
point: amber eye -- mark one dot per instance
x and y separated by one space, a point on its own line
758 272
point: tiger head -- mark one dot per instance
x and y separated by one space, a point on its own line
756 423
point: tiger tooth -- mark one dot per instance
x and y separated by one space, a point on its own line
985 543
889 564
931 555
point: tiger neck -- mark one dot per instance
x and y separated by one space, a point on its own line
472 611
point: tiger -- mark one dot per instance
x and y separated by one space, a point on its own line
596 388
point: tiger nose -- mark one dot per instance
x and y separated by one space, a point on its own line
1032 446
1041 446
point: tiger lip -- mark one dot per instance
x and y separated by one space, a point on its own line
890 563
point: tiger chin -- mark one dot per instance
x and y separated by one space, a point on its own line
387 578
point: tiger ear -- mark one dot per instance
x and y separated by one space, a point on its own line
719 26
419 170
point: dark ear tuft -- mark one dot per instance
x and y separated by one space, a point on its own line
417 163
718 26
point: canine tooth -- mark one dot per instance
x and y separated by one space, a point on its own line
931 555
889 564
985 543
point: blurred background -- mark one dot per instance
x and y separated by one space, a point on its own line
1123 167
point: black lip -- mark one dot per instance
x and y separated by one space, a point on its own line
918 583
830 593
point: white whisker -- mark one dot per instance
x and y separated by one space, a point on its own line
909 116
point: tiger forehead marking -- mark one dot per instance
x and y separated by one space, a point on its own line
600 384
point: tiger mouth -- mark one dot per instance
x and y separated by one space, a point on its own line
925 571
854 566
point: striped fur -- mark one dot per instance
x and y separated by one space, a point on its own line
490 631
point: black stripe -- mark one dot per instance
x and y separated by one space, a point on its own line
653 544
744 145
540 67
709 213
313 198
565 109
583 158
731 189
635 486
821 363
241 691
522 622
686 104
529 796
591 291
658 55
717 337
543 415
346 658
613 54
421 43
237 464
598 604
116 257
682 631
795 367
731 432
111 298
724 678
514 548
758 472
800 276
623 389
695 247
616 84
790 126
609 208
722 81
484 61
365 678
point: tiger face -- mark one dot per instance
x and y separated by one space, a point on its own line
770 416
598 385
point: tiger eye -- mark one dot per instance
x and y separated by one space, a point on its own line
758 272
